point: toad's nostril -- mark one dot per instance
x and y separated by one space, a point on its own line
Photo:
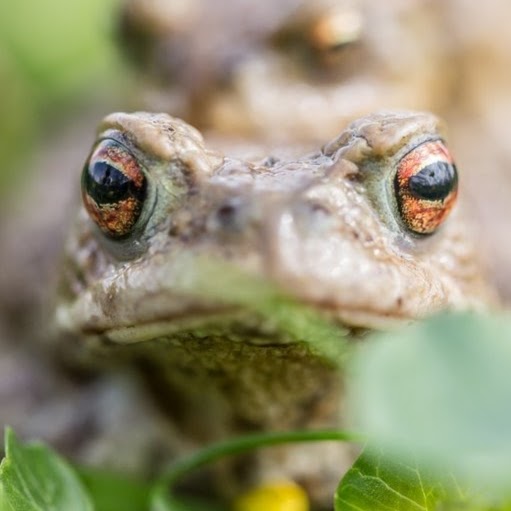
229 217
226 215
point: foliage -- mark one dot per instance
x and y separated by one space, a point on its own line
433 400
441 388
33 478
52 55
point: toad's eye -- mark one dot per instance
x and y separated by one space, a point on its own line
426 186
113 189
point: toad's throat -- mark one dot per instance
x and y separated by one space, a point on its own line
238 367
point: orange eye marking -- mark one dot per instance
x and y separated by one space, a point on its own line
113 189
113 219
426 186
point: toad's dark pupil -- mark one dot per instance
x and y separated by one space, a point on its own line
434 182
106 184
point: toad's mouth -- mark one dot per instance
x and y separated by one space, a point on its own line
319 332
288 325
212 300
281 322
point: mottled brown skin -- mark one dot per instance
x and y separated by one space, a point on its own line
322 230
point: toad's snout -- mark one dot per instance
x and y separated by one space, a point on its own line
268 227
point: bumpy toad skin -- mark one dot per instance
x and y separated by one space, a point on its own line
260 68
289 70
321 229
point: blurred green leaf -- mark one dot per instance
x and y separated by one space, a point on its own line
381 483
57 44
17 112
443 389
53 55
33 478
111 492
171 503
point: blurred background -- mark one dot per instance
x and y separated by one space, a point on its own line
296 71
292 71
56 58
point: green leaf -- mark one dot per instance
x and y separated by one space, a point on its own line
381 483
171 503
442 389
33 478
111 492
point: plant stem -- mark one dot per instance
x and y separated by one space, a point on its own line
182 467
